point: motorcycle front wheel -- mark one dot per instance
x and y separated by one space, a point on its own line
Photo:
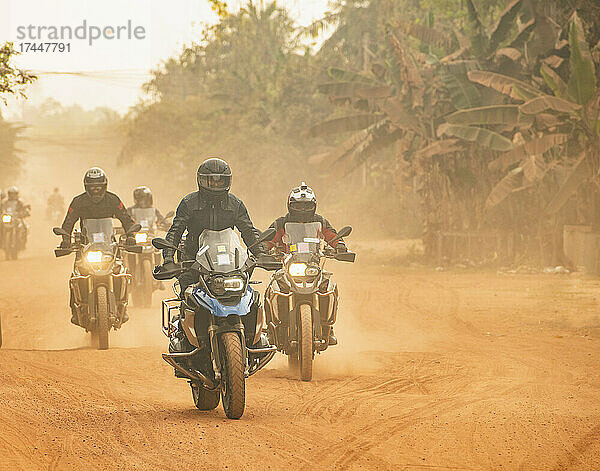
102 326
233 389
306 342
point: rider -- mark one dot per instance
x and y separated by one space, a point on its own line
56 202
302 206
142 199
95 203
21 211
212 207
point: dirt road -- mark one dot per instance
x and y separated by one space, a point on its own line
433 371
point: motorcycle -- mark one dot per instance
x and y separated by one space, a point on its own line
14 232
55 215
301 300
99 282
214 315
141 264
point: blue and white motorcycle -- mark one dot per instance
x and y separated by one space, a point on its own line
222 320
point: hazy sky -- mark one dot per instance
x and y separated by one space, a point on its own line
120 66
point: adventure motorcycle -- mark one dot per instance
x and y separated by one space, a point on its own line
99 280
140 265
55 215
217 319
14 231
301 300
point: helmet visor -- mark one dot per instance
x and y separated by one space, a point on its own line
303 206
215 182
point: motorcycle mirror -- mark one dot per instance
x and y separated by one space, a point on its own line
170 214
135 228
345 257
59 231
161 244
343 232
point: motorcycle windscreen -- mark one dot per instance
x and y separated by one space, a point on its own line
221 251
10 207
145 217
303 237
98 231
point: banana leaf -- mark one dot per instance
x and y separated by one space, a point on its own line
489 115
427 35
537 146
504 188
534 168
505 24
481 136
399 115
509 52
440 147
578 175
582 81
504 84
345 124
462 92
553 80
523 34
549 103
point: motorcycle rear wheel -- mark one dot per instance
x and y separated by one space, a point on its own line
306 342
205 399
102 315
233 390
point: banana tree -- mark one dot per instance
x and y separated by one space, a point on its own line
567 118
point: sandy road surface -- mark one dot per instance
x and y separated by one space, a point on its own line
434 371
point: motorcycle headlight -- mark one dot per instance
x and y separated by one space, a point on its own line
233 284
297 269
94 256
217 285
6 218
141 237
312 271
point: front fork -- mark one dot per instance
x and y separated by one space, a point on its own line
214 332
117 301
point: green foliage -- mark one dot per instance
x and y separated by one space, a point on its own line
582 79
12 79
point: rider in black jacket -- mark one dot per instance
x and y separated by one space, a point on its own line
95 203
211 207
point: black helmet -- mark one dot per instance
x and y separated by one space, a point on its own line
214 179
142 196
13 193
302 203
95 183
